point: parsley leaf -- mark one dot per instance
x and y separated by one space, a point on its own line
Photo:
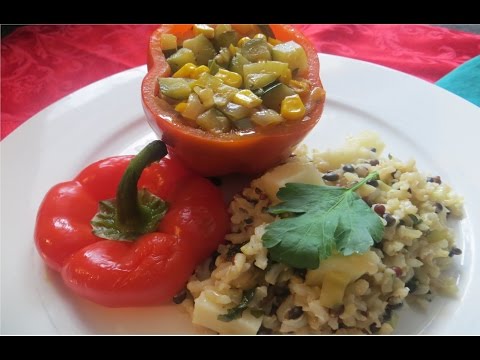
328 219
236 312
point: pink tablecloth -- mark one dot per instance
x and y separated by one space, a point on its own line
41 64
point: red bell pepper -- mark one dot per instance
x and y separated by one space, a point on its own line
145 243
232 153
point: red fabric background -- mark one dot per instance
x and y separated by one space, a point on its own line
41 64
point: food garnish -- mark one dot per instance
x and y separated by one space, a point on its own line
324 220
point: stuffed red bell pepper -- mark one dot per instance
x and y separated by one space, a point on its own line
232 98
129 231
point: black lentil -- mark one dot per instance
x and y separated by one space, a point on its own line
374 162
294 313
412 285
248 221
373 183
435 179
178 298
438 207
373 150
348 168
232 251
455 251
389 219
331 176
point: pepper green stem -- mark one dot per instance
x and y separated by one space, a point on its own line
129 212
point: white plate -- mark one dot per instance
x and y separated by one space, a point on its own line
415 119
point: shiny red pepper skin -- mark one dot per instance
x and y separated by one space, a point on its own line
155 266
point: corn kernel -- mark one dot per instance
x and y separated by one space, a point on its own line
229 78
204 29
180 107
292 108
247 99
242 41
199 71
232 49
185 71
260 36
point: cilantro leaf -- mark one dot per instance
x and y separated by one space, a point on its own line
237 311
328 218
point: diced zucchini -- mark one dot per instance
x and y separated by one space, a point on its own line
205 95
223 57
168 44
257 81
243 124
194 107
293 54
202 49
174 88
235 112
280 69
213 66
180 58
217 85
256 50
204 29
213 121
226 39
221 28
267 117
247 98
274 96
237 63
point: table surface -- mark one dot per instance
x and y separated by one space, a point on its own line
43 63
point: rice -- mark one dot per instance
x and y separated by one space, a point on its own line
407 265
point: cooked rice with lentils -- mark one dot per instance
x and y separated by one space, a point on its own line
406 265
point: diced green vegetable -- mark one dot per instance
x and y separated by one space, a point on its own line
243 124
274 96
213 66
258 81
194 107
213 121
256 50
175 88
236 65
277 68
293 54
235 112
226 38
202 49
267 117
168 44
221 28
204 29
180 58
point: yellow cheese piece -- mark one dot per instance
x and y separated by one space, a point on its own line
335 273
